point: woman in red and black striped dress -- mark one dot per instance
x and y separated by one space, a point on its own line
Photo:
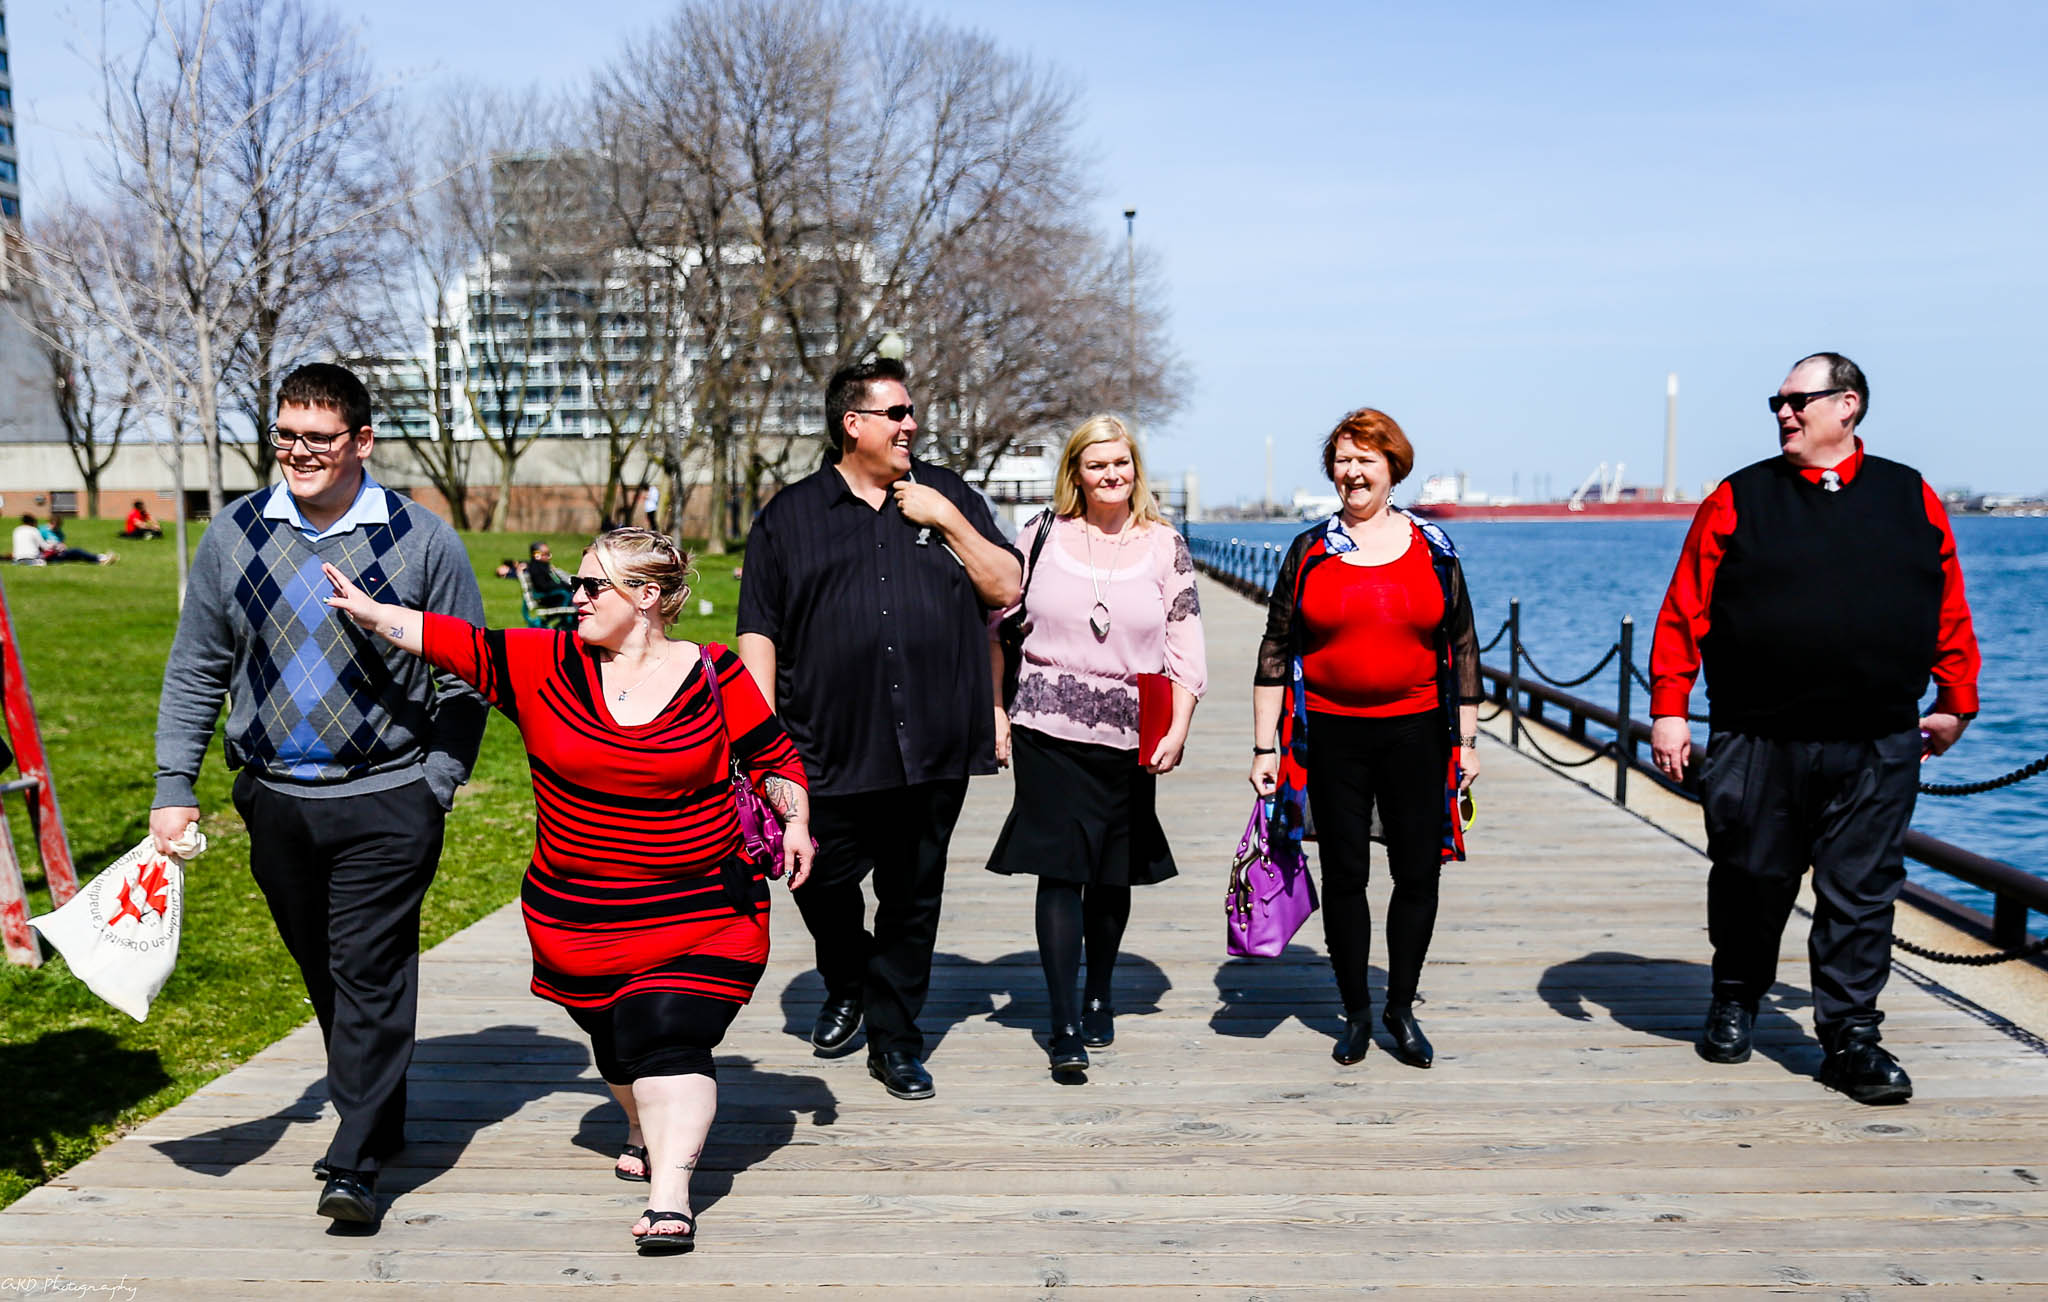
646 923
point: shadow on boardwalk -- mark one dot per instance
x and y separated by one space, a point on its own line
1668 998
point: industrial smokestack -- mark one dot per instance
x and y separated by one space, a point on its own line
1671 437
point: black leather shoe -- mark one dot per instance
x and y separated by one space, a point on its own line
1725 1037
1410 1044
832 1034
1066 1054
1098 1023
1352 1045
901 1074
350 1196
1860 1067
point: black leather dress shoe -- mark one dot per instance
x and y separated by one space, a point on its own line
1410 1044
901 1074
1725 1037
1861 1068
349 1196
832 1034
1355 1040
1098 1023
1066 1052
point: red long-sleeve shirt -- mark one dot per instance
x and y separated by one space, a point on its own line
1682 623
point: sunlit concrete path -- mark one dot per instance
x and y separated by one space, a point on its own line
1567 1140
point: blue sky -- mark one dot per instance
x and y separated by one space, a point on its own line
1503 224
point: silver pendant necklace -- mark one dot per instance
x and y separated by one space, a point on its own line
624 692
1098 618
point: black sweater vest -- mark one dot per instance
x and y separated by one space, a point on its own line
1826 610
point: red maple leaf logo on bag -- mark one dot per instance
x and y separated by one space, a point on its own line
128 908
155 883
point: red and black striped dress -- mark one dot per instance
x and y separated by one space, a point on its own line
634 887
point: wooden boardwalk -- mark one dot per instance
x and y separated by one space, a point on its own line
1568 1139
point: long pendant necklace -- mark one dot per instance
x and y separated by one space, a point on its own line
624 692
1098 618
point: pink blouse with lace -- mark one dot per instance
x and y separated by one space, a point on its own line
1082 687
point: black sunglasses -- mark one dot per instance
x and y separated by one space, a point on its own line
899 413
314 440
593 586
1798 401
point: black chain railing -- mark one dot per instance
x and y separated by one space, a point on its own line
1524 687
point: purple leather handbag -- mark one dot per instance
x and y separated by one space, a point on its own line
1271 891
760 825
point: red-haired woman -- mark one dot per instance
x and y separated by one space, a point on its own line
1370 657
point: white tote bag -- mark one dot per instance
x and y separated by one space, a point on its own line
120 933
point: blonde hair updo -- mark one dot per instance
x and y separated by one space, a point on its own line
642 556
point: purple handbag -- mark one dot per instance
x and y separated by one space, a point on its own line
1271 893
760 825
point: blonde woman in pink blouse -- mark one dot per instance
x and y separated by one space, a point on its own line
1110 596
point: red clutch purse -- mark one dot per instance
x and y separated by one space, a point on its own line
1155 713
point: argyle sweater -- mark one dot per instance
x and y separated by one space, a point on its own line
316 705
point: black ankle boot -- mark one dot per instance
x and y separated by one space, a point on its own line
1410 1044
1098 1023
1355 1039
1065 1053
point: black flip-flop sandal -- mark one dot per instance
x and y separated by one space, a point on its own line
639 1155
666 1245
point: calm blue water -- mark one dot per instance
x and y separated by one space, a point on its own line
1577 579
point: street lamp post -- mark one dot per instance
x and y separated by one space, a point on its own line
1131 279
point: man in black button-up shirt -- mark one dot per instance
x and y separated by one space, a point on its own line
863 618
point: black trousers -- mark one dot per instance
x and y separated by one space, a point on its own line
1398 764
900 837
344 879
1773 808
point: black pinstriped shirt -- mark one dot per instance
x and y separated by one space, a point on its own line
881 645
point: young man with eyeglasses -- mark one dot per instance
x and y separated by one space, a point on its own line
863 618
349 750
1820 591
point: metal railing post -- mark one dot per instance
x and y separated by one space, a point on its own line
1514 671
2008 921
1624 738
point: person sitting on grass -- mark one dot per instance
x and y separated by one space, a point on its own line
140 524
56 550
28 542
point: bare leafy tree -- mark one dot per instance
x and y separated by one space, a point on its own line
167 147
95 373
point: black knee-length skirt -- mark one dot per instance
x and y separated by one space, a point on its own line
1083 813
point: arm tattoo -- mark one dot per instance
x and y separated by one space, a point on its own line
782 794
397 632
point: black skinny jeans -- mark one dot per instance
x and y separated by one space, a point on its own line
1399 764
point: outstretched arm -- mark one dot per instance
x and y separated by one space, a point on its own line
401 626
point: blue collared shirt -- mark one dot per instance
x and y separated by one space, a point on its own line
370 507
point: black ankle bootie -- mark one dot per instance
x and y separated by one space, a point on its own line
1410 1044
1354 1040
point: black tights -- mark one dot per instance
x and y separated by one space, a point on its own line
1072 915
1400 764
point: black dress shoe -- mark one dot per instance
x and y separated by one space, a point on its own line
901 1074
349 1196
1410 1044
1098 1023
1861 1068
1066 1053
1725 1037
1356 1039
832 1034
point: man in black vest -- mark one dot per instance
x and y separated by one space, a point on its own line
1820 589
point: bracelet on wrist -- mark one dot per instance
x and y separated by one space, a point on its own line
1265 750
1471 741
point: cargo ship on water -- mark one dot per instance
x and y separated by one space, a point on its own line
1601 496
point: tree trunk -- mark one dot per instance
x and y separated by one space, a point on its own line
714 515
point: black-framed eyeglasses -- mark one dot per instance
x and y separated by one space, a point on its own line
312 440
899 413
1798 401
593 586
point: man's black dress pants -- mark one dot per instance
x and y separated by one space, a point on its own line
1772 809
899 837
344 878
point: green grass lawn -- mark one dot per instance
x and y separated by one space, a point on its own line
93 640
